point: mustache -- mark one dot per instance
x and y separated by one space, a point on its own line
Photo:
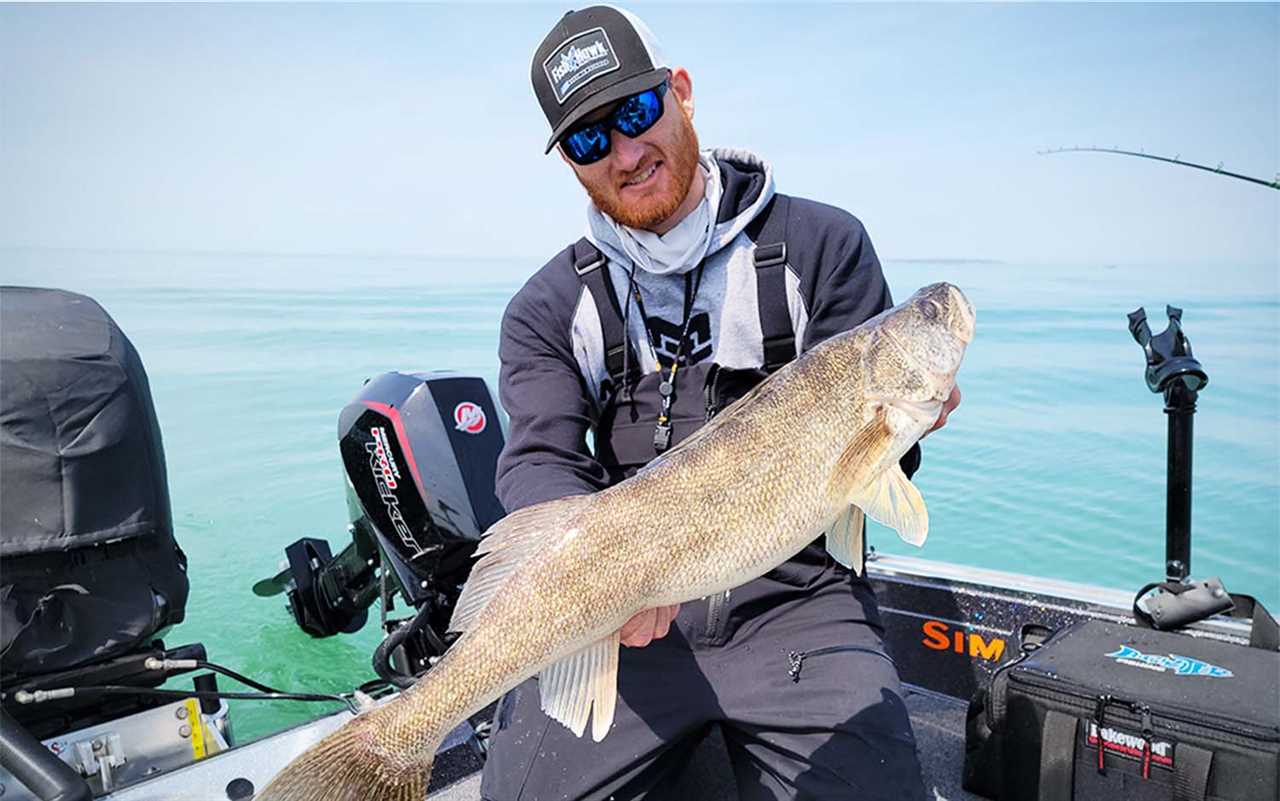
640 171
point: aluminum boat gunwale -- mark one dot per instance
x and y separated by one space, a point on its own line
912 592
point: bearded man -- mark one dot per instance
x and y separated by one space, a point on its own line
696 280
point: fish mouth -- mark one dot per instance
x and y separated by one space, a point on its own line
968 318
925 412
945 378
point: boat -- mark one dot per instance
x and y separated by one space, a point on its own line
420 450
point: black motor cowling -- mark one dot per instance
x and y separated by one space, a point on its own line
91 567
419 450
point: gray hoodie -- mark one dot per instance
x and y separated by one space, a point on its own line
553 378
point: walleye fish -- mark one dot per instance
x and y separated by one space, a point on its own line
809 450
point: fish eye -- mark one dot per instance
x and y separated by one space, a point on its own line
929 309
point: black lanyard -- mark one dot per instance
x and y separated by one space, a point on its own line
667 384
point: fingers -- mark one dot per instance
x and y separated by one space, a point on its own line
647 626
638 631
666 614
948 406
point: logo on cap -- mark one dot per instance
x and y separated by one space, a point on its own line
579 61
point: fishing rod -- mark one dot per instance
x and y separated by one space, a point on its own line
1273 184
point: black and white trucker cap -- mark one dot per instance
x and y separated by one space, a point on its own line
591 58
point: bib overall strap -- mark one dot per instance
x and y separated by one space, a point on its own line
589 263
769 232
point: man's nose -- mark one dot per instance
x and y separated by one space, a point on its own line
627 152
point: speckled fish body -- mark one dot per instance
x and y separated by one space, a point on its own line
809 451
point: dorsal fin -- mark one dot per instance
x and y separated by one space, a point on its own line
505 547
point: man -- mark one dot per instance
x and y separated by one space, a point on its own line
696 280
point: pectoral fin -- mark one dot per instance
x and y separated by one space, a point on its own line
864 458
571 688
867 474
894 501
844 539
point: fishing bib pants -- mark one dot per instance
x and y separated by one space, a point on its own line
796 675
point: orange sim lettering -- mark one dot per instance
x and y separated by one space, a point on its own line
940 637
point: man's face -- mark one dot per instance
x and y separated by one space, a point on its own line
643 181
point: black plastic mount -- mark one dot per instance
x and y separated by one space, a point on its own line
327 594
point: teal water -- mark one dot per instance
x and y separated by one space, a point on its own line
1053 465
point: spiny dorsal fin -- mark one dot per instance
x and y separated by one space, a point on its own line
587 680
844 539
505 547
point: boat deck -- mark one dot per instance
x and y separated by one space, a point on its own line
939 726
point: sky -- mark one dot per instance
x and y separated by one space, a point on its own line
399 129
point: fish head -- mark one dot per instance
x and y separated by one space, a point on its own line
916 349
905 368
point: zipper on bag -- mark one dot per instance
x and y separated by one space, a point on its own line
1148 734
1099 720
1137 708
1205 725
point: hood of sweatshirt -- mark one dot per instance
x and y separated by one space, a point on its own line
739 186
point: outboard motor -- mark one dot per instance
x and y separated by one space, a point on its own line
427 520
91 567
92 574
419 450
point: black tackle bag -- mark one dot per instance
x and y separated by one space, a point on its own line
1111 711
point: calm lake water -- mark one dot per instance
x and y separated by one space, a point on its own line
1054 464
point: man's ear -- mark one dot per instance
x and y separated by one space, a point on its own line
682 88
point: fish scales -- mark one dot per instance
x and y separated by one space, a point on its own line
819 439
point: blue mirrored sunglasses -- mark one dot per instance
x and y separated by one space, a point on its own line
633 116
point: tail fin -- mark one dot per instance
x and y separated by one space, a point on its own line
346 767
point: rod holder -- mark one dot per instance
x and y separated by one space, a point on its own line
1172 371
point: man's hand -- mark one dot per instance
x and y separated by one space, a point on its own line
649 625
948 406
